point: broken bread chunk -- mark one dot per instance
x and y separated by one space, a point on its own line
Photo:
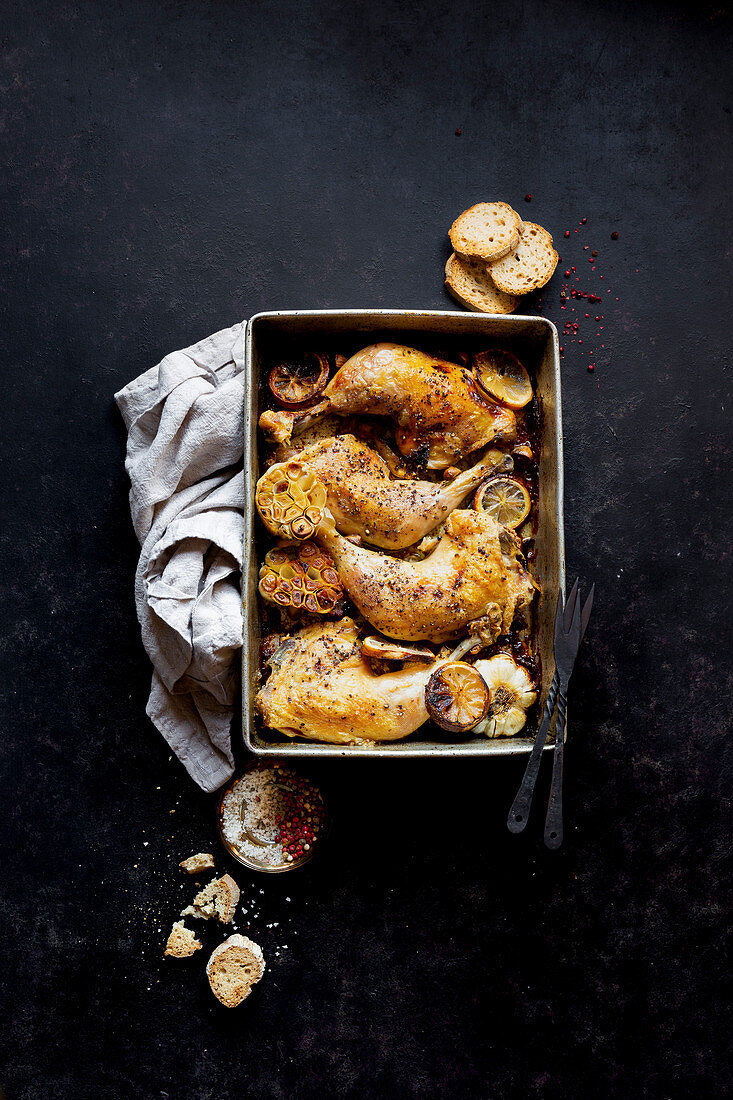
182 942
234 967
217 901
202 861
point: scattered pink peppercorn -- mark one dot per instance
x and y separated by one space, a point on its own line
567 232
458 133
591 368
614 236
583 221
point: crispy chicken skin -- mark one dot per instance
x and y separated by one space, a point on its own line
323 689
365 501
433 402
475 573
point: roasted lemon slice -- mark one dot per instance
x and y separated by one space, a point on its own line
500 374
505 499
298 383
456 697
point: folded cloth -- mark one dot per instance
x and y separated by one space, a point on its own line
184 420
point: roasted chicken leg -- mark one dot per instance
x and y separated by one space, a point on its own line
364 500
321 687
435 404
475 573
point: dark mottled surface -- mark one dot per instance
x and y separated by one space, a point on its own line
171 167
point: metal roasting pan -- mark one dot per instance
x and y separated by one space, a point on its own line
534 340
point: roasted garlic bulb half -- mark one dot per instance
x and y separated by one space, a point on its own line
302 578
511 694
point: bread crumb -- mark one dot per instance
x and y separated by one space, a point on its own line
202 861
216 901
182 942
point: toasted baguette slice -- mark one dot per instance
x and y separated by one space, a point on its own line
472 286
530 265
234 967
217 901
182 942
202 861
486 231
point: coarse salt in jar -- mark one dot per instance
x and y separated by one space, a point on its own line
271 818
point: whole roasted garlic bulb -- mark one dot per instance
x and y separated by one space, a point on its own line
301 578
511 694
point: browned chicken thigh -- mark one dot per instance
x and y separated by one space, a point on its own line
434 404
473 576
321 687
364 500
474 573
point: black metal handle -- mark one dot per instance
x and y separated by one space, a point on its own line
519 812
553 821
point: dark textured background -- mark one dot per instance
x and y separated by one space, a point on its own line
169 168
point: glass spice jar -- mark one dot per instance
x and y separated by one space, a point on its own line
271 818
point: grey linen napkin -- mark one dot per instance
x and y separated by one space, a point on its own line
184 459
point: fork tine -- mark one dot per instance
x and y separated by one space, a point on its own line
570 606
585 613
574 631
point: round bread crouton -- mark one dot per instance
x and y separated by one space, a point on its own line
530 265
472 286
486 231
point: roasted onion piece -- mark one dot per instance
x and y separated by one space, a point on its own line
456 697
387 650
302 578
296 383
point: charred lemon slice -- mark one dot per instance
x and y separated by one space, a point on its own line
505 499
456 697
501 375
297 383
